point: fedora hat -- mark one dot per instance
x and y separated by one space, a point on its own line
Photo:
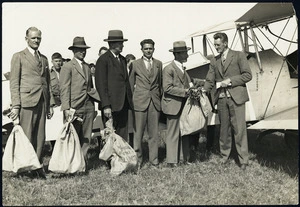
78 42
115 36
179 46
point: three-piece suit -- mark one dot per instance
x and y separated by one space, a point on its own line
231 101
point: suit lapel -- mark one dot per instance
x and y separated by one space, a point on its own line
179 72
143 69
30 58
78 68
123 66
228 60
154 70
117 64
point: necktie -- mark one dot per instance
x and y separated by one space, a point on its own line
36 56
148 65
118 59
223 59
84 69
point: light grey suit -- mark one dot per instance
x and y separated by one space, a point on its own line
75 82
174 97
30 92
147 90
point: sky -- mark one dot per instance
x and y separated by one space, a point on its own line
61 22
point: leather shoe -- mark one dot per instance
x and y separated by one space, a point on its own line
187 163
243 167
172 165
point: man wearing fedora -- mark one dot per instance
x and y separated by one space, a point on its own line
146 83
113 85
31 96
75 84
176 83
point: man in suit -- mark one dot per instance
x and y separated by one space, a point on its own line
112 84
75 84
30 91
230 72
176 83
146 82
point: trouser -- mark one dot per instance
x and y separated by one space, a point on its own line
84 128
233 115
33 122
150 117
120 120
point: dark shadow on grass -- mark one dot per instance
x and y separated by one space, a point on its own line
273 152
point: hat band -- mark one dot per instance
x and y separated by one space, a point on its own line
115 37
179 48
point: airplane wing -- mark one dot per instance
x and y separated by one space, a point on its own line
224 26
263 13
287 119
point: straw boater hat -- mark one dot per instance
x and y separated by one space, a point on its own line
115 36
78 42
179 46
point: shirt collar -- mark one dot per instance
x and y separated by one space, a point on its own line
79 61
146 59
32 50
225 53
114 54
179 65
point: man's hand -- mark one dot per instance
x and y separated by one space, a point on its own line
225 83
14 114
50 113
107 112
186 92
203 90
67 114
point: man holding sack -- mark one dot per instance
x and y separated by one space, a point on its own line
176 84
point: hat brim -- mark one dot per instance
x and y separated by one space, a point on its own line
79 46
115 40
180 50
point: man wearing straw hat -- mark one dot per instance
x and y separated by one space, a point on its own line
75 83
112 84
176 83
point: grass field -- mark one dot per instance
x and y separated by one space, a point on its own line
271 178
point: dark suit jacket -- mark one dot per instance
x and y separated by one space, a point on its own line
147 87
174 85
112 82
27 82
75 82
237 69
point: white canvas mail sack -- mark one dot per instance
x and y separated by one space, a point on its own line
19 154
194 115
120 154
67 156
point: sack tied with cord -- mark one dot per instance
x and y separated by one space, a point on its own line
116 150
195 112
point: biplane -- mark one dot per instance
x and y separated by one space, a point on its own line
273 90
